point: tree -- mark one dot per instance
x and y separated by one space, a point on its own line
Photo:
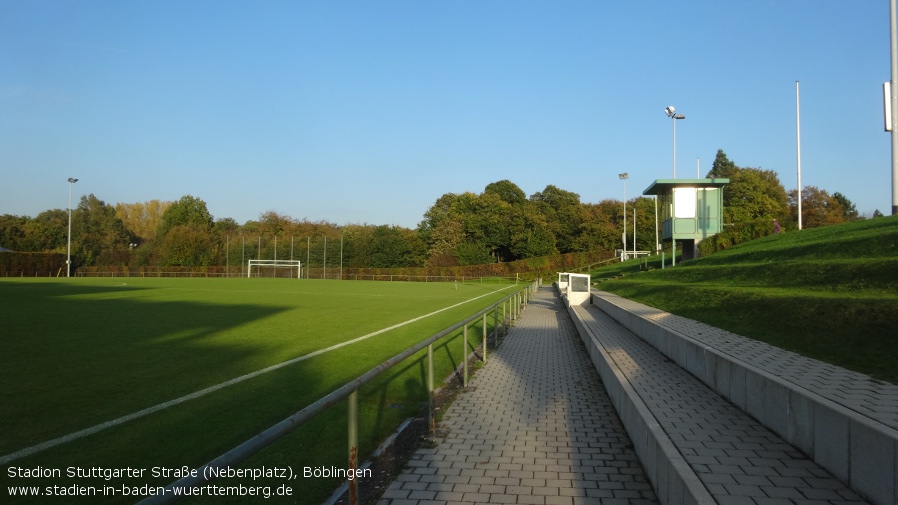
529 233
849 209
486 223
598 229
819 208
562 212
184 237
98 236
722 166
273 224
391 248
754 194
12 232
472 253
645 223
445 240
358 245
507 191
46 232
142 218
187 211
439 211
184 245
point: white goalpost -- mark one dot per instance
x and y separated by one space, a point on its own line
290 264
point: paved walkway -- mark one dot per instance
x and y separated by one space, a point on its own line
535 426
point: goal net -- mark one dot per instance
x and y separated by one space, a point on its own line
274 268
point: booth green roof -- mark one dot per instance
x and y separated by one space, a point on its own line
665 186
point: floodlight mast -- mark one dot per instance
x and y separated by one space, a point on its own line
624 176
671 112
893 101
68 254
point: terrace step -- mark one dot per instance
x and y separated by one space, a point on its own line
842 420
696 446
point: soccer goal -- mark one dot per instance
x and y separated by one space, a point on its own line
273 266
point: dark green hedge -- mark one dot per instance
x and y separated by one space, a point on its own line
736 234
31 264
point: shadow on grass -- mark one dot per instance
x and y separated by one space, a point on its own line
70 362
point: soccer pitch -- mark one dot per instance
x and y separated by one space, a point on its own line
159 357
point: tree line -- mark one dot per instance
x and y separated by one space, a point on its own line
499 224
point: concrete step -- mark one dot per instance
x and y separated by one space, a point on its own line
696 446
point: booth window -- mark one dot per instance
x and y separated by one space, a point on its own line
684 202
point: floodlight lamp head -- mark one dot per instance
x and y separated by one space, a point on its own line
624 176
72 179
680 116
670 111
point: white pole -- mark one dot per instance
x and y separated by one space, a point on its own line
634 231
798 145
698 168
894 104
675 148
657 244
324 262
625 218
68 255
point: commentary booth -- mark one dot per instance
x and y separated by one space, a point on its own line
574 288
691 211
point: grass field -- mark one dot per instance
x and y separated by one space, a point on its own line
829 293
77 353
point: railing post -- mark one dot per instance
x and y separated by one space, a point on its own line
353 418
432 421
464 356
484 338
496 326
504 321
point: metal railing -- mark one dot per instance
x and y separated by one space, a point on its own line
349 391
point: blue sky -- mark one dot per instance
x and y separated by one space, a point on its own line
368 111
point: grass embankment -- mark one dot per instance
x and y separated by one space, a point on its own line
827 293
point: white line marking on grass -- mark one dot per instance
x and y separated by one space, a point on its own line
171 403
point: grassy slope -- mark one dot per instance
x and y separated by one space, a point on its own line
829 293
79 353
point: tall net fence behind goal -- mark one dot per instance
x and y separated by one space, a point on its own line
274 268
